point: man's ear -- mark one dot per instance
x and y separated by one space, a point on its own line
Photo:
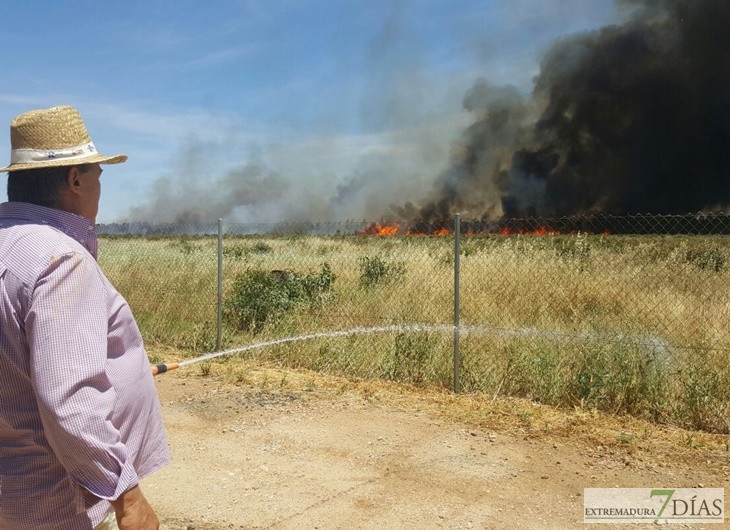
72 180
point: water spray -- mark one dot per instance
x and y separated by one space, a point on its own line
653 342
162 368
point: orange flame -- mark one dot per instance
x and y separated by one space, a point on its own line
441 232
392 229
376 229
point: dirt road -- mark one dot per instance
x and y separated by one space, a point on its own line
334 454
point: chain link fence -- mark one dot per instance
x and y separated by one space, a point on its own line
623 314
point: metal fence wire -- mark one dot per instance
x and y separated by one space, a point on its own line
626 314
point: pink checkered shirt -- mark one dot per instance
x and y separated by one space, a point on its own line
80 420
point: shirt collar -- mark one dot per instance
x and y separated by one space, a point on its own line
74 226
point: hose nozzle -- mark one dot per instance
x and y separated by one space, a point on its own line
158 369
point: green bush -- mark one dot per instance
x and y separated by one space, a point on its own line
375 270
412 360
703 397
262 296
709 259
201 337
235 251
573 247
185 246
260 248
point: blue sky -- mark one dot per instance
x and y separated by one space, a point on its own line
310 98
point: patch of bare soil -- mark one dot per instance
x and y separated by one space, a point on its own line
291 450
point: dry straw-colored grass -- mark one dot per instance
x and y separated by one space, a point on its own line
623 325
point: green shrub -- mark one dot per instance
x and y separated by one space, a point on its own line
573 247
412 360
235 251
375 270
262 296
260 248
185 246
200 337
710 259
622 379
703 398
535 374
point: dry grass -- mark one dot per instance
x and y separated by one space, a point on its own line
584 429
624 325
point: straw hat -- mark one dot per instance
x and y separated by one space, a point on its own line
51 138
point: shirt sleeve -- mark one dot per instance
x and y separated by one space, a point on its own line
66 328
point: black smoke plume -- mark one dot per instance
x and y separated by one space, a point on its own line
629 119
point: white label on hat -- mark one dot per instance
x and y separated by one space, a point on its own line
25 156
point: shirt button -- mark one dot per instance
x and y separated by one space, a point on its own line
83 241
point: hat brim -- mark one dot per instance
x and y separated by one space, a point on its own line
93 159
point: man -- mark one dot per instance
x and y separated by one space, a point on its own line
80 420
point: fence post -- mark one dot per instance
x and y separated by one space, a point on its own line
220 285
457 254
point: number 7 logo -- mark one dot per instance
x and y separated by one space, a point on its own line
660 493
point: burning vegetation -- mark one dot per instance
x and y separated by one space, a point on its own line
640 224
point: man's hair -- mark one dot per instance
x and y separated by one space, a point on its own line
41 186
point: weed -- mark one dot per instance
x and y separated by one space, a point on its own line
236 375
627 438
526 417
205 368
702 396
576 249
689 439
412 359
154 359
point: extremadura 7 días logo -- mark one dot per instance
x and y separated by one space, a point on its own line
655 505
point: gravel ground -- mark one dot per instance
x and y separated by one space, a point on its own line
277 456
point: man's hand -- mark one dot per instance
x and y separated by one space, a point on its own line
134 512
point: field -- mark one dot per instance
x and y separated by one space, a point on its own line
633 325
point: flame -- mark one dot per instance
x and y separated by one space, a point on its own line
377 229
392 229
441 232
